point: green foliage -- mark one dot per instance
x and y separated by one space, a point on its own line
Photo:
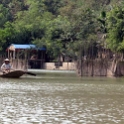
4 15
115 29
51 37
6 35
53 6
66 27
80 32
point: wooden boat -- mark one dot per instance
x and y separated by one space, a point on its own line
16 74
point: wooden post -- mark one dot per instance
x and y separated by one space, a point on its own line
25 60
17 60
81 64
8 53
14 54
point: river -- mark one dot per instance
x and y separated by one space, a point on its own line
61 99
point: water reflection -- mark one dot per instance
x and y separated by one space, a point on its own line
61 100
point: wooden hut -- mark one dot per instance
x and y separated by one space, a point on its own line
33 56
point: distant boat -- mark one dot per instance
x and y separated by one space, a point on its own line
16 74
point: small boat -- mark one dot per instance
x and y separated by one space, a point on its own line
16 74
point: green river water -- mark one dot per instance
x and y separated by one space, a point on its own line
61 99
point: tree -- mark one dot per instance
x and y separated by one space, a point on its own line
53 6
81 30
4 15
6 35
115 29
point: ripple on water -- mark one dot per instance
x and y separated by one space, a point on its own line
61 103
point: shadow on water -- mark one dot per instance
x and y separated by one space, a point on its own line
66 78
73 78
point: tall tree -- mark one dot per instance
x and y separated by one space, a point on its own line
4 15
115 29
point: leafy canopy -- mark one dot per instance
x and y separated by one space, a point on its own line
115 29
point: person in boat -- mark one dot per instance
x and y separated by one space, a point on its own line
6 66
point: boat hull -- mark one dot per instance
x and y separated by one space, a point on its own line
13 74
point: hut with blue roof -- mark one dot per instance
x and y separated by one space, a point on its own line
33 55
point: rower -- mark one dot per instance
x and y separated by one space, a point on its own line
6 66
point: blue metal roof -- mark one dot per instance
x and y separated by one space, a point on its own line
26 46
